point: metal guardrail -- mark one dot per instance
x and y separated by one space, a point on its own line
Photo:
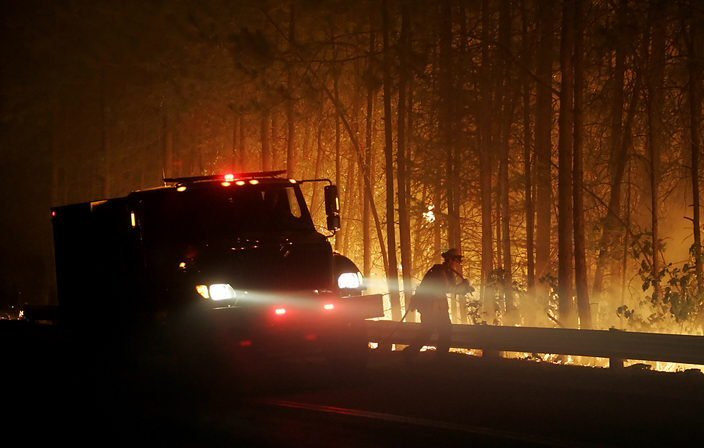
613 344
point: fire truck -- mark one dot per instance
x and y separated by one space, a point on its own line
230 265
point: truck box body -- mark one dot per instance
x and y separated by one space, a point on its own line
95 257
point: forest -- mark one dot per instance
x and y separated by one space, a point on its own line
556 143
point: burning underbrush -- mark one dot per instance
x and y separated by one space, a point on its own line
590 361
569 360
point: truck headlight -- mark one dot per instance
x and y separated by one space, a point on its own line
350 280
216 291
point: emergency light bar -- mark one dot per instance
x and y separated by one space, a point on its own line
223 177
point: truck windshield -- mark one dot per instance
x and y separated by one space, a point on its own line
215 212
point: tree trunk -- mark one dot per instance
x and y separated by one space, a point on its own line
305 149
168 142
368 157
349 211
580 255
57 170
506 119
242 160
336 90
291 132
235 139
497 215
626 240
274 141
485 149
318 163
264 136
105 134
401 163
459 165
410 139
656 131
564 222
627 146
527 167
617 159
447 121
388 151
543 143
349 205
437 230
695 111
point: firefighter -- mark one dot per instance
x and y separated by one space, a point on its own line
430 299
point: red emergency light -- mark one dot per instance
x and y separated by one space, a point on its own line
228 177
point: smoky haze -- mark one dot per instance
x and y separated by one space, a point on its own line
103 98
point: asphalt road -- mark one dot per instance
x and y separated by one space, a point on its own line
453 402
458 401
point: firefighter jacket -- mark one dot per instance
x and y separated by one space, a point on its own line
431 294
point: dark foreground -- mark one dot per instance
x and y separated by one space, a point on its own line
462 400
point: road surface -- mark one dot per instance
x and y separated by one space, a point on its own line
459 401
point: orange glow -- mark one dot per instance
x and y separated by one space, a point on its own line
229 177
293 181
225 184
328 307
280 311
240 182
254 181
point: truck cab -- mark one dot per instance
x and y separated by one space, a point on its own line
223 241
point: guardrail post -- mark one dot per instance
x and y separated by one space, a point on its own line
490 354
615 363
384 346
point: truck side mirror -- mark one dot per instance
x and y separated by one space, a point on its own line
332 207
